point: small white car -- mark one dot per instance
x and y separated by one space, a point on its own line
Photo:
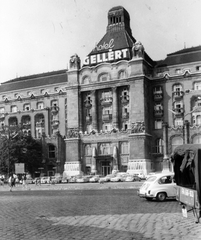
159 186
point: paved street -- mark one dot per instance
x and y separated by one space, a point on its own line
91 212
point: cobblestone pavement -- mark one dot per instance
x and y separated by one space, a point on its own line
90 212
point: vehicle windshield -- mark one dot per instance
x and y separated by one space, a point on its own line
151 179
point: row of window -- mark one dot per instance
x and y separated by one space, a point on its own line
177 87
106 149
27 106
161 71
103 77
30 94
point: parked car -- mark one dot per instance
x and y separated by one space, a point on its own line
120 177
129 178
107 178
136 177
141 176
82 179
95 178
65 180
57 178
45 179
72 179
158 186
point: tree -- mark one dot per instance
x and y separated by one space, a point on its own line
20 149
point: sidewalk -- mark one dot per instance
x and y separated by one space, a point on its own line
74 186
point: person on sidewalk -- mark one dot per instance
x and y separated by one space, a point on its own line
24 182
11 182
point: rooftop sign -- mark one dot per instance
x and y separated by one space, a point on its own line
109 55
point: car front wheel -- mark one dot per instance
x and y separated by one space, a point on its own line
161 196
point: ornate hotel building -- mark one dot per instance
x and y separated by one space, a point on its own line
118 110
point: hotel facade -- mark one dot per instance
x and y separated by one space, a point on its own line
118 110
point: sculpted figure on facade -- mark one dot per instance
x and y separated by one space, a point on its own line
138 127
73 133
74 62
137 50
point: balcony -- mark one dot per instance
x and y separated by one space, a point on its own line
125 99
55 123
125 115
40 124
2 116
178 112
178 95
88 103
106 101
158 96
54 109
158 113
26 125
107 117
88 118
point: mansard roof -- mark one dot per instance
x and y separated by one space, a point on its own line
123 40
186 55
36 80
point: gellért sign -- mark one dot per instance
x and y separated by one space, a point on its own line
111 55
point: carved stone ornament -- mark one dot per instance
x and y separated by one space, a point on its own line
137 50
75 62
73 133
138 127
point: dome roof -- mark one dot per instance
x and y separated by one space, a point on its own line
117 8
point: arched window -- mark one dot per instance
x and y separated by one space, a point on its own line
27 107
176 141
122 74
86 80
103 77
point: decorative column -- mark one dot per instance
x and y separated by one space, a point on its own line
115 159
166 164
114 108
186 132
93 164
94 110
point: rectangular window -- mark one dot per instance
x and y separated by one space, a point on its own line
88 150
2 110
178 122
158 124
198 68
197 86
13 109
124 148
107 127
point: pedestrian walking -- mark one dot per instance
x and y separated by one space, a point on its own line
11 182
24 182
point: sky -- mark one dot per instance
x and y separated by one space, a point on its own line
38 36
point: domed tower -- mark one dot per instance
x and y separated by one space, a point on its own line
118 19
117 43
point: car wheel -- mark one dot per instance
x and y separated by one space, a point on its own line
161 196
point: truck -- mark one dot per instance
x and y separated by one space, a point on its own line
186 160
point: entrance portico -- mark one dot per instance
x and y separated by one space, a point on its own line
104 164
